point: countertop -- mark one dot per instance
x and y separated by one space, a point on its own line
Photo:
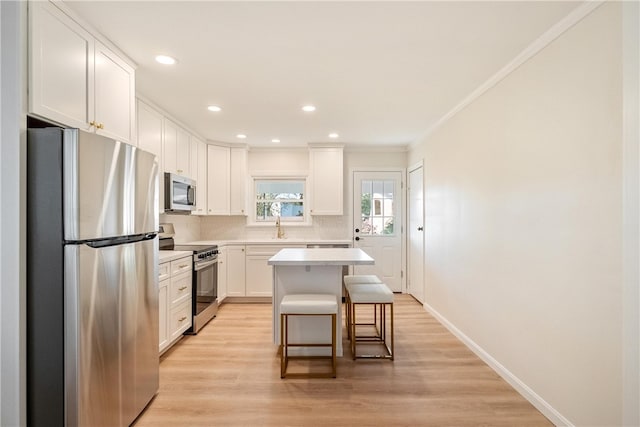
166 256
273 241
321 256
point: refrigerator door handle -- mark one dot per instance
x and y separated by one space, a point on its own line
115 241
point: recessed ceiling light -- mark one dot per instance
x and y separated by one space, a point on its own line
275 141
166 60
333 135
241 136
309 108
214 108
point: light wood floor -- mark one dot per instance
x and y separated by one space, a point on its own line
229 375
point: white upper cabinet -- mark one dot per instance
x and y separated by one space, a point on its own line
74 79
326 171
226 180
238 181
149 126
114 95
177 149
218 164
201 175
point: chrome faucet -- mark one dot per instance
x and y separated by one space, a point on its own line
280 234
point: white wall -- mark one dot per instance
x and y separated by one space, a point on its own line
12 279
523 204
631 214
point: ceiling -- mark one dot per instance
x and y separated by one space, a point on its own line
379 73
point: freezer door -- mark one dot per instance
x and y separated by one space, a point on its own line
111 352
110 188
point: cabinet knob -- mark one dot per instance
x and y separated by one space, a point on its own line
100 126
92 123
182 319
179 170
182 288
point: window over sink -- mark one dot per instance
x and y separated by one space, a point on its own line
279 197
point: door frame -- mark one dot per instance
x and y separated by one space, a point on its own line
403 204
416 166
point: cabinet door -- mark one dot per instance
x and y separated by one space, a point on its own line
180 288
222 274
179 320
235 271
169 145
114 95
60 67
163 314
326 180
259 280
149 129
201 178
238 181
183 153
193 162
217 180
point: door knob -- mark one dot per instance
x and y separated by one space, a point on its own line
357 238
420 228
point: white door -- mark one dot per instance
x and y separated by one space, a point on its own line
415 256
377 224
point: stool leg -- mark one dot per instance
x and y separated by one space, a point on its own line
333 344
282 346
353 330
393 352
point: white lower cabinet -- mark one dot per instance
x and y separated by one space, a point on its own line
175 295
163 321
248 274
235 270
222 274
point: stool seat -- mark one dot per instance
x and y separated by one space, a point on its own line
361 278
375 293
379 296
309 304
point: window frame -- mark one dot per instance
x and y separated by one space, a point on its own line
252 219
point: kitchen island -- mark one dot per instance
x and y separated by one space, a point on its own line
308 271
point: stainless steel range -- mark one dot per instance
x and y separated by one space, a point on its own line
204 280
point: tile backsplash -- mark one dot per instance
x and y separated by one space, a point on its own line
192 227
187 227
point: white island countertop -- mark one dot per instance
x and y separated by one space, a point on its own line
321 256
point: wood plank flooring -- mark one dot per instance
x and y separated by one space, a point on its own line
229 375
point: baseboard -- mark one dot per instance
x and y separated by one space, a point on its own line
541 405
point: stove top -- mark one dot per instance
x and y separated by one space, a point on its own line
195 248
199 251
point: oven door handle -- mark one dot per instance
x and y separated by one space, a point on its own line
202 265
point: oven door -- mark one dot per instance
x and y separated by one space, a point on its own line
205 293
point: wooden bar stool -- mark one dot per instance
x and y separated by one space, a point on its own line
357 279
378 295
307 305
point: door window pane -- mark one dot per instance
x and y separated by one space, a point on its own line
377 207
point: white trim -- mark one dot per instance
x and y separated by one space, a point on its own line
540 43
415 166
360 148
542 405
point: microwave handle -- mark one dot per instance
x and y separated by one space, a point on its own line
191 194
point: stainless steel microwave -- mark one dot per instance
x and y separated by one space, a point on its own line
179 194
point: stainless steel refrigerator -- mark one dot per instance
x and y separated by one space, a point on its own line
92 279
